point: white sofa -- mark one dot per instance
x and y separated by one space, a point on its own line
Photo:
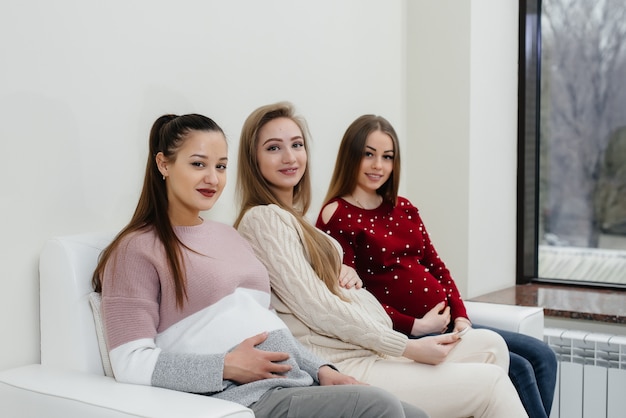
70 380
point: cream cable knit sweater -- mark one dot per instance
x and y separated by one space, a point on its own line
352 335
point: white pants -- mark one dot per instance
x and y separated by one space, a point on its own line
472 382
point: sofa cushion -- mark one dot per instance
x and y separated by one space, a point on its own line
94 300
523 319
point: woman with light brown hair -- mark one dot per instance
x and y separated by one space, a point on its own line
364 213
323 303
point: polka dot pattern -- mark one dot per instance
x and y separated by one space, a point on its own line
392 252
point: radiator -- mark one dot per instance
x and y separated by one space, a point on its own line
591 380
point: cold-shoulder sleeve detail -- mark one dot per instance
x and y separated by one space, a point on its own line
333 229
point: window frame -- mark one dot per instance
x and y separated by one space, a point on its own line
529 72
528 164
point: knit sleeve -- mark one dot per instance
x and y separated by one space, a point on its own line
274 236
442 274
309 362
130 307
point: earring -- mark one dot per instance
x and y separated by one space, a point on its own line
163 178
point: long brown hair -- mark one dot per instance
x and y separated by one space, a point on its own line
167 136
254 190
351 151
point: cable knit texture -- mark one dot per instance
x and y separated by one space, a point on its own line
357 332
357 335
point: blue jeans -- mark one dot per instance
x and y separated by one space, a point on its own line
532 370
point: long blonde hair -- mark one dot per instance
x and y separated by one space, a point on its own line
254 190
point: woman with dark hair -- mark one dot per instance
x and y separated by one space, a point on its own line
186 304
322 303
384 239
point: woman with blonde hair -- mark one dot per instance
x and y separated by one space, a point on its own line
322 301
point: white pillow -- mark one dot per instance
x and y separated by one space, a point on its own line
94 300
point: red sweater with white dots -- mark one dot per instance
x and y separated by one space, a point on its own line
391 251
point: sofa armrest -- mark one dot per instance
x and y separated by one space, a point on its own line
523 319
36 391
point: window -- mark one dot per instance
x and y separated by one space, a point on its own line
572 142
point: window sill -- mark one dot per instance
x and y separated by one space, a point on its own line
560 301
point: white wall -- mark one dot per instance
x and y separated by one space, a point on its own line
461 122
82 81
438 125
493 145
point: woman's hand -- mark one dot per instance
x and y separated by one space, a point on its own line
435 321
247 364
431 350
461 323
329 376
348 278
